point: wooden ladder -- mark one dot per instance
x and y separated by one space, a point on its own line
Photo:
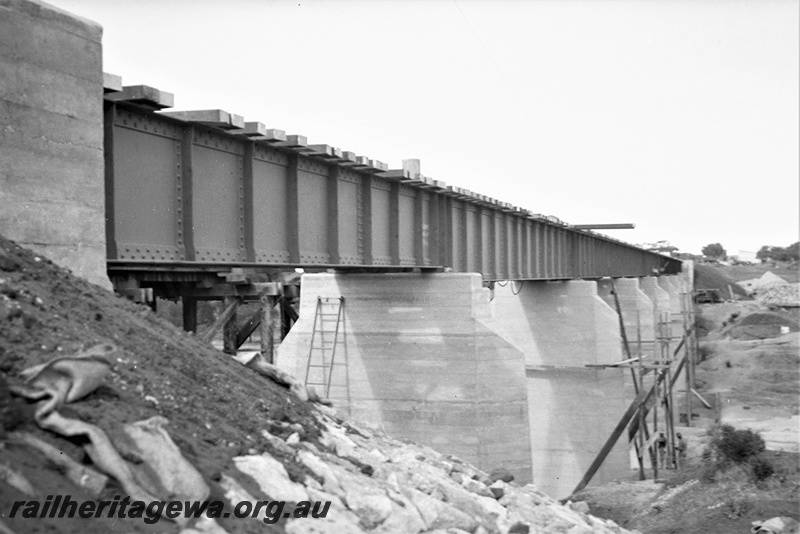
325 340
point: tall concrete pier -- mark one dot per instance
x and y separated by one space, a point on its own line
562 327
498 377
426 359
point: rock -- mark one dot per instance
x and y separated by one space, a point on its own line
457 477
498 489
271 477
519 528
371 509
501 473
377 456
359 429
334 522
478 488
235 493
334 438
404 519
278 444
293 439
307 445
322 470
447 467
581 507
440 515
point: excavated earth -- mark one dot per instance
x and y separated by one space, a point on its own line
248 437
750 373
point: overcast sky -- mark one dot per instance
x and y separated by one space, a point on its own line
679 116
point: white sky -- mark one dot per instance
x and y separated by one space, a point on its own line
679 116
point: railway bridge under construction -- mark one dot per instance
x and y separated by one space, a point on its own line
450 318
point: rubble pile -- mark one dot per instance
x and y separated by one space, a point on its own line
783 295
766 281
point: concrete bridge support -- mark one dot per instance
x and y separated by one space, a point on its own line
657 295
425 359
51 139
561 327
638 311
672 285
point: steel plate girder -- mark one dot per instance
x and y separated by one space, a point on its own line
184 192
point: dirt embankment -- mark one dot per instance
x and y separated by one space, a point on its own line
247 437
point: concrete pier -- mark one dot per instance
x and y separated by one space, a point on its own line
638 311
497 377
561 327
425 359
657 295
672 285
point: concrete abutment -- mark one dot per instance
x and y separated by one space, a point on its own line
51 150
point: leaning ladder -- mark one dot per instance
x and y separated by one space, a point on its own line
322 354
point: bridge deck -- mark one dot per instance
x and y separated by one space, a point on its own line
183 194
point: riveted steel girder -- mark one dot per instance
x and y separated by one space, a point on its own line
182 192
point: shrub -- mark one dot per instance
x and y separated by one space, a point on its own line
761 468
736 446
730 447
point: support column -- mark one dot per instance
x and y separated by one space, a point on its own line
561 327
230 329
421 355
657 295
189 314
267 327
671 285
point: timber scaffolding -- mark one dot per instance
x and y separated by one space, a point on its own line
201 205
665 365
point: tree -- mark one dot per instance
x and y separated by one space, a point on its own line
789 253
713 250
793 251
764 253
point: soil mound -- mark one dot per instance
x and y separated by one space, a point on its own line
710 277
215 408
762 325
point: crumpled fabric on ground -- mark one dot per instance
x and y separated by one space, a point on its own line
16 480
170 475
100 450
66 379
274 373
80 475
164 474
776 525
